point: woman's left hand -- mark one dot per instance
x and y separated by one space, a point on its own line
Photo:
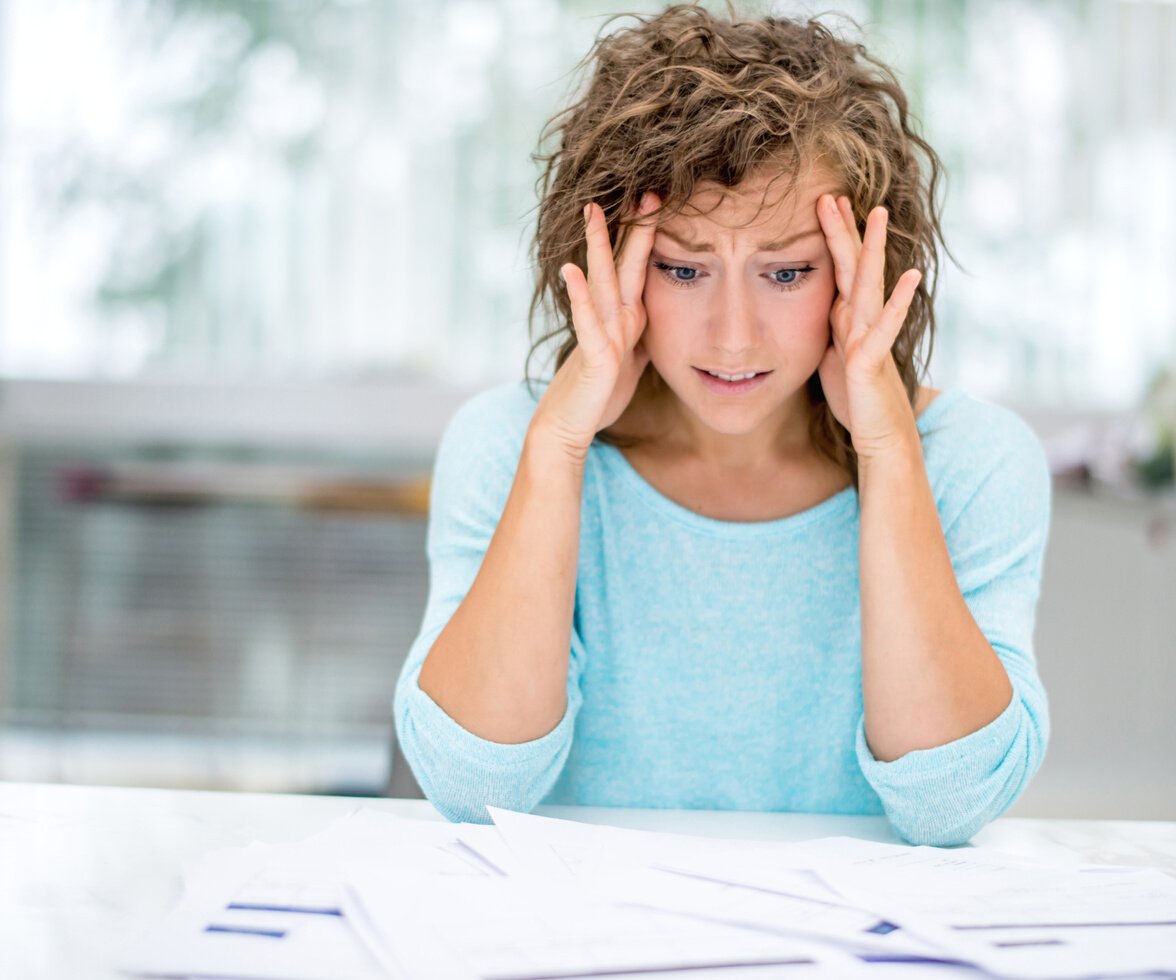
858 374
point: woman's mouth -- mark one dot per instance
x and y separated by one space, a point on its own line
734 383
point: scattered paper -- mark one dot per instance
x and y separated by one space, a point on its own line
257 924
374 895
521 928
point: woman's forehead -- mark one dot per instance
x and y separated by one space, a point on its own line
760 203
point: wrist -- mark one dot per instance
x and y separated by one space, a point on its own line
902 454
547 446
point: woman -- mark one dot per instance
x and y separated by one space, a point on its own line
734 555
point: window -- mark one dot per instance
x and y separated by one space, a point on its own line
249 189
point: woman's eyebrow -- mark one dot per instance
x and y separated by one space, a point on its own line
776 246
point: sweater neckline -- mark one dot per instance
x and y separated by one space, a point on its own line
835 506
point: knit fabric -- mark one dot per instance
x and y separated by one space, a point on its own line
717 664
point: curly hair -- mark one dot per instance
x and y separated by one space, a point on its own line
684 97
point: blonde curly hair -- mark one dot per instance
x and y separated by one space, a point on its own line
684 96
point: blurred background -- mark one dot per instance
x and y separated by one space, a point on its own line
253 253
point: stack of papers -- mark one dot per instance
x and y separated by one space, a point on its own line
532 897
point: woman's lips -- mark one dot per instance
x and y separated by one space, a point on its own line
721 387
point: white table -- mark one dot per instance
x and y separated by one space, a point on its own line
85 870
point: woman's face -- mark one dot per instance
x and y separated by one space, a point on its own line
738 283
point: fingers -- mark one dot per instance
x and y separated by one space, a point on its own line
634 259
841 237
602 272
858 314
869 277
590 333
882 335
612 288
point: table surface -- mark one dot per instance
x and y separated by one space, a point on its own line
86 870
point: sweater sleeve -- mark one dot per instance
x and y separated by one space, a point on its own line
995 510
458 771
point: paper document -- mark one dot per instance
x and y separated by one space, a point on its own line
970 889
269 925
535 897
497 928
793 900
285 910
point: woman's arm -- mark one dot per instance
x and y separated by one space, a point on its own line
499 668
500 665
955 720
948 738
929 675
476 468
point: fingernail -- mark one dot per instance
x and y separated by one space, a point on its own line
587 211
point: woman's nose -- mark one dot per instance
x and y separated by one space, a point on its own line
733 321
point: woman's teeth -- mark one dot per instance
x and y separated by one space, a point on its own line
733 377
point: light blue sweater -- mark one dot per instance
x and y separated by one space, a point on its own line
717 664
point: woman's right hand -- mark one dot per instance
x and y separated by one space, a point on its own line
597 381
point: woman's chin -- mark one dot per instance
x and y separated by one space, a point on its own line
729 417
738 416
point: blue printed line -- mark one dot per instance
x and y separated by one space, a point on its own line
247 931
302 909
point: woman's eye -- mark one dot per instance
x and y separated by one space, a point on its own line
684 275
678 275
790 278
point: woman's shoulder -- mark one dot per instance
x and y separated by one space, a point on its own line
953 414
479 452
496 417
968 440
